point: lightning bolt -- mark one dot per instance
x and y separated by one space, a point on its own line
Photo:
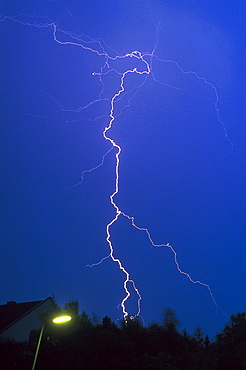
100 50
118 212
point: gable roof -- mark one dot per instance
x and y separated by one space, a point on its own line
12 312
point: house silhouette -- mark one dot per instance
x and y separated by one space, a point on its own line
17 320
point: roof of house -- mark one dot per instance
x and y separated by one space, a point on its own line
12 311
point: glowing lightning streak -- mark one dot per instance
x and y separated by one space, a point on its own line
118 212
138 55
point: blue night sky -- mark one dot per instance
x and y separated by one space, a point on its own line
182 176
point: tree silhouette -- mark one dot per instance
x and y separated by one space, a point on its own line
230 345
87 344
170 320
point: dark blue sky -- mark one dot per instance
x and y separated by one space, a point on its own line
180 175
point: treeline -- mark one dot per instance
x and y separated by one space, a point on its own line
84 343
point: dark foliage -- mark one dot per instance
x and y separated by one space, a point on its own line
230 349
87 344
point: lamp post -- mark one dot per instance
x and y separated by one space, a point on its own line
56 320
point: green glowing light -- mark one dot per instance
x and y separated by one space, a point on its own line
61 319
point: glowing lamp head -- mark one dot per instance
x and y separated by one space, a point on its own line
61 319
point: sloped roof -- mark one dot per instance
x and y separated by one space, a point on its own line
12 311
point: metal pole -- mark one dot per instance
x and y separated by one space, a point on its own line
38 345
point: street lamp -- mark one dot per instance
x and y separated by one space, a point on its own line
61 319
56 320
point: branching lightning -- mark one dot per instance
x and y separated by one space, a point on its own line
143 59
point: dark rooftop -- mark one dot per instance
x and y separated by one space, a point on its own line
12 311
